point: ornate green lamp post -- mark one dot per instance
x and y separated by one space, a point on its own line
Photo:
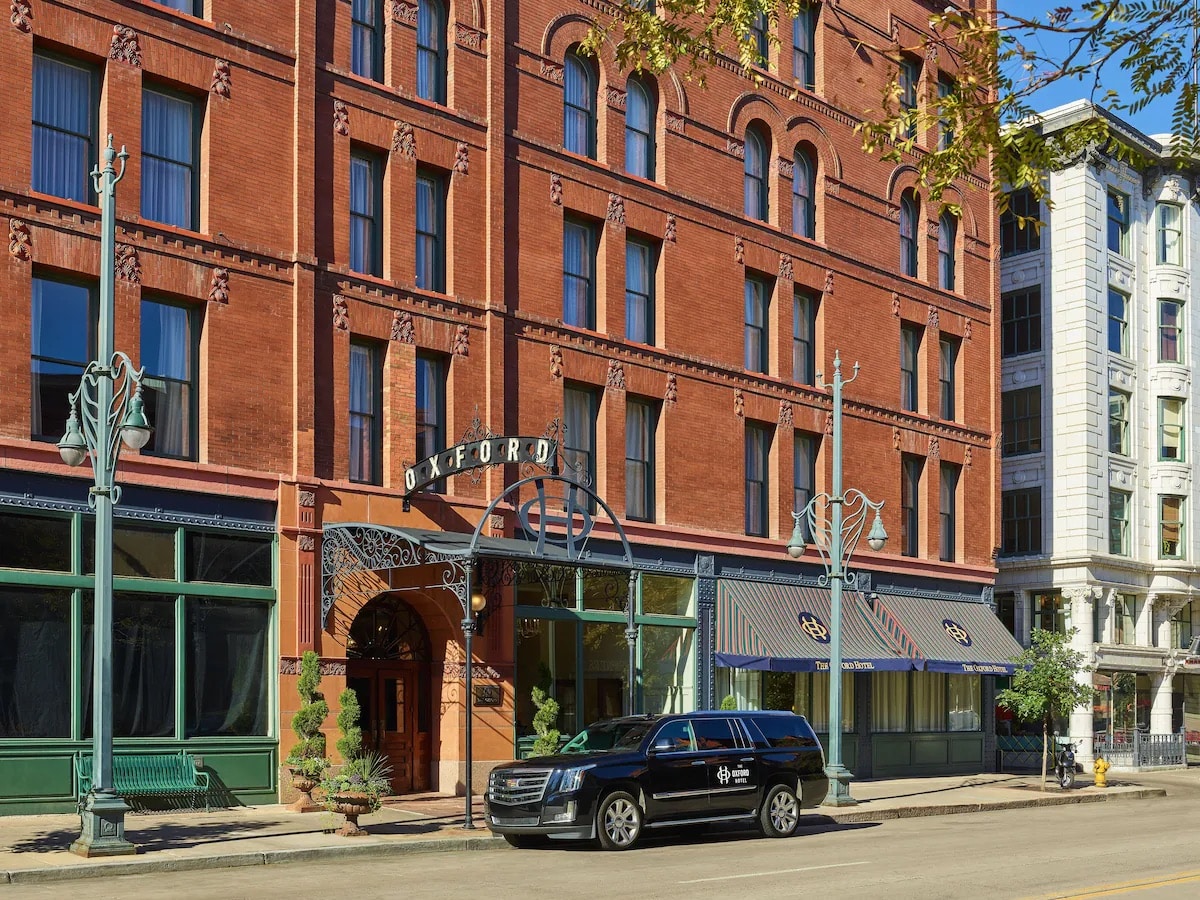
836 522
106 410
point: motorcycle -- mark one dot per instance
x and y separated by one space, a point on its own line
1064 767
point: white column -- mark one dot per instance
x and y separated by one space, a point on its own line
1024 615
1082 598
1145 620
1160 703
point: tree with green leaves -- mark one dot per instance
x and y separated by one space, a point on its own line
308 754
1044 685
1001 59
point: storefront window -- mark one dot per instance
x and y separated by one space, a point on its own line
889 701
966 702
929 701
663 595
605 669
1185 625
668 669
227 675
35 542
1191 717
606 591
743 685
228 559
138 551
35 664
817 708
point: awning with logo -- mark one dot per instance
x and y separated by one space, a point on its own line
947 635
785 628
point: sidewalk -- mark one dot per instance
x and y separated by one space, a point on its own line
33 848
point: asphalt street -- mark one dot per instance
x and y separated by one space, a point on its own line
1145 848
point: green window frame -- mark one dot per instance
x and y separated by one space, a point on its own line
1171 527
1118 422
1118 522
1172 418
1118 223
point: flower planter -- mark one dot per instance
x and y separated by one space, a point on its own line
304 784
351 804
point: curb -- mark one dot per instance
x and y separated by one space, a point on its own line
916 812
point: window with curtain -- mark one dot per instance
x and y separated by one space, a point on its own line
170 159
947 376
223 558
947 248
1125 619
909 77
35 663
366 400
1118 522
34 541
929 701
910 355
948 513
579 105
804 475
668 669
910 505
1118 322
805 305
804 47
965 702
1021 421
431 51
1118 422
756 350
889 702
758 450
1118 223
1021 521
762 43
579 274
1170 332
640 419
65 111
756 184
366 38
431 231
430 404
639 129
945 123
1017 231
1021 322
909 210
1170 429
1170 527
366 222
138 551
804 208
191 7
169 350
640 258
227 689
817 701
580 409
1170 234
63 325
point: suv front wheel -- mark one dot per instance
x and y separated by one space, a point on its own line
618 821
780 813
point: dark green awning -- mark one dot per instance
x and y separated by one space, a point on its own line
947 635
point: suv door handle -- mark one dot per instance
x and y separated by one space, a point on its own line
697 762
746 759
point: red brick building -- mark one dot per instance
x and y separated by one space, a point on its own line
350 233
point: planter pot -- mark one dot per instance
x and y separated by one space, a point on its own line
351 804
304 784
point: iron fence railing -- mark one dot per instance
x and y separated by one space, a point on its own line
1135 750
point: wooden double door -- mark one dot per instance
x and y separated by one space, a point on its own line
389 694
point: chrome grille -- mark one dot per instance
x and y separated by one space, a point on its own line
514 787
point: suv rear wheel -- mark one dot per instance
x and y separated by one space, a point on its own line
618 821
780 812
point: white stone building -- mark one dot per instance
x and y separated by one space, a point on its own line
1100 337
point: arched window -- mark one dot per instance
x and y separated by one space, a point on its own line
756 184
639 129
431 51
579 106
947 246
909 210
804 206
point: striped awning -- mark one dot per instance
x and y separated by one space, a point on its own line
947 635
785 628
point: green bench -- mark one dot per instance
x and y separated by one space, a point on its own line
147 775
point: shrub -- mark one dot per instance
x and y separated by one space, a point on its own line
308 753
544 721
349 745
730 702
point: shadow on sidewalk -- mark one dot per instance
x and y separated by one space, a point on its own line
168 836
1004 781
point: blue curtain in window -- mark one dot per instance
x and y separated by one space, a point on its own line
167 357
578 109
803 210
577 275
431 51
756 177
62 129
362 215
168 144
639 140
362 411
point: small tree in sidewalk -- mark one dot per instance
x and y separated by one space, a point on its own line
1044 687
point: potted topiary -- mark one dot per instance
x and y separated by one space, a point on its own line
544 721
307 761
362 780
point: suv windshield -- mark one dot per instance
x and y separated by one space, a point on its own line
611 735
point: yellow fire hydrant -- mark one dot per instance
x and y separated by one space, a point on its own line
1101 767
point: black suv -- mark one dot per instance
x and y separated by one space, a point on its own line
620 776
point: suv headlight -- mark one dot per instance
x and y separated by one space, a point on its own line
572 779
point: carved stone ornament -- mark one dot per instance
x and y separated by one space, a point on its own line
967 458
829 281
787 168
931 53
739 251
785 413
467 37
669 234
614 379
935 448
129 267
829 422
404 12
785 267
307 499
933 316
615 97
21 15
218 286
20 242
893 212
671 395
341 118
933 228
833 187
551 72
735 148
895 304
341 313
290 665
895 438
404 140
462 161
306 543
739 403
462 341
124 47
403 330
616 210
556 189
222 80
674 122
556 361
496 525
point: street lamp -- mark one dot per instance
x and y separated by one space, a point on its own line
106 410
836 522
473 601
